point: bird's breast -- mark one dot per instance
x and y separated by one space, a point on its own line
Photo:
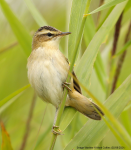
47 70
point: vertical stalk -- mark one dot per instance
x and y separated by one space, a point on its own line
28 123
116 34
120 61
36 143
61 107
113 51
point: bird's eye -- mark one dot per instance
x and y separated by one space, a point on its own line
49 34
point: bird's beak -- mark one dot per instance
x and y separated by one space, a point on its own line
64 33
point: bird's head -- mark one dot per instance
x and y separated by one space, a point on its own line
47 36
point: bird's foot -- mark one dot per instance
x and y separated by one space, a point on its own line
70 64
56 130
66 85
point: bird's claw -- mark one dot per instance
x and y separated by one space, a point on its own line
57 131
66 85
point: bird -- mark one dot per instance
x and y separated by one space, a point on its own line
48 70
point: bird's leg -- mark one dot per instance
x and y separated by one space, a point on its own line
66 85
55 129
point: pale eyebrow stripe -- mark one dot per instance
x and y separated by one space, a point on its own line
46 32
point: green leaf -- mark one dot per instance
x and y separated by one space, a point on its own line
5 100
128 107
89 32
67 117
116 135
128 6
123 136
76 17
94 131
103 20
39 141
90 54
100 72
22 35
123 49
6 143
107 5
125 119
118 130
35 13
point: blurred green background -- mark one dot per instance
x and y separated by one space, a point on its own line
13 75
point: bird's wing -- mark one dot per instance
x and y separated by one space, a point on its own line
75 83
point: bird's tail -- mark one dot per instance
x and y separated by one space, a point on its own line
84 105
